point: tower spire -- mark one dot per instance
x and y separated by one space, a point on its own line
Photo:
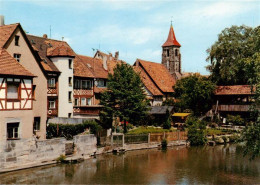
171 40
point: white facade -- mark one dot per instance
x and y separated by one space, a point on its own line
65 105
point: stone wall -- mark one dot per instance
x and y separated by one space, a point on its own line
25 153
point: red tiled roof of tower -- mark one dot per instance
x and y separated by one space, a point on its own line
59 48
6 32
9 66
171 40
159 74
235 90
95 65
148 83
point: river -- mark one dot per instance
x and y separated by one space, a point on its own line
178 165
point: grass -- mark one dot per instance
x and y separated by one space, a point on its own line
146 130
215 131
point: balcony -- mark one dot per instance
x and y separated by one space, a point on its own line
52 91
83 92
87 110
234 108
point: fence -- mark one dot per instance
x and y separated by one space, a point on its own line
136 139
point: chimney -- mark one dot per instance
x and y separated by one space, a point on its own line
116 55
45 36
2 20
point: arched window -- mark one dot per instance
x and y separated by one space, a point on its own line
176 52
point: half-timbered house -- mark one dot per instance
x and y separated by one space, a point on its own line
26 94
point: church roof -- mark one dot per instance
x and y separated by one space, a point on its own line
171 40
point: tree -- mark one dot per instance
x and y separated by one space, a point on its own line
124 98
194 92
196 131
168 120
233 56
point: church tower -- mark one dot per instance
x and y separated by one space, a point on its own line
171 56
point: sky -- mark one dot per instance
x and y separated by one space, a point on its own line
135 28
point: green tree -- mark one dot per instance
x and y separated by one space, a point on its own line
168 120
194 92
196 131
234 55
124 98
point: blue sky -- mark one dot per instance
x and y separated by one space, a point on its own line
135 28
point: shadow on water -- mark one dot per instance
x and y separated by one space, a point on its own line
222 164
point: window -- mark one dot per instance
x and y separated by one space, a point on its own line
101 83
70 63
52 104
12 130
77 84
33 93
76 101
16 40
89 101
167 52
69 115
176 52
70 81
51 83
36 123
83 102
70 96
86 84
12 91
17 57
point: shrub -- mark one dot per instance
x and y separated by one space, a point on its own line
167 123
196 132
61 158
70 130
236 120
164 144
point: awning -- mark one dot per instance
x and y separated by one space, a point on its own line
181 114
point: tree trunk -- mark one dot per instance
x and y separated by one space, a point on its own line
125 127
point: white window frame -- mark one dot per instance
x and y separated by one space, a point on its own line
89 101
52 104
51 83
85 101
15 131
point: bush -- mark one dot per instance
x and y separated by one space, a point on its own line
164 144
61 158
196 132
236 120
146 130
70 130
167 123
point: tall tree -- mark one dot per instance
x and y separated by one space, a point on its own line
194 92
231 54
124 98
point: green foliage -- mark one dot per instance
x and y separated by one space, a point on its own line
214 131
164 144
167 123
124 98
235 120
196 132
70 130
168 102
146 130
194 92
61 158
234 57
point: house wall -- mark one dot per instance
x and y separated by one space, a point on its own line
29 62
64 106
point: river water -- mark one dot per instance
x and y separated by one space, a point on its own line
177 165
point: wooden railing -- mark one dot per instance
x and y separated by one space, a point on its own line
240 108
83 92
52 91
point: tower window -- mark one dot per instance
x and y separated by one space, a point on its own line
16 40
167 52
176 52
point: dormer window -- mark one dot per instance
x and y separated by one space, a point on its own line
16 40
17 57
70 63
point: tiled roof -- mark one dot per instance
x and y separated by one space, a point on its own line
148 83
41 46
111 64
171 40
234 90
95 65
9 66
59 48
81 68
5 33
159 74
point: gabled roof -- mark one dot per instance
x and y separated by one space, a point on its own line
171 40
148 83
6 32
94 65
59 48
9 66
235 90
81 68
158 74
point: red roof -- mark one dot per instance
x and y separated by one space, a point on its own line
171 40
234 90
6 32
9 66
158 74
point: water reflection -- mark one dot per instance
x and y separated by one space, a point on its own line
179 165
